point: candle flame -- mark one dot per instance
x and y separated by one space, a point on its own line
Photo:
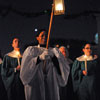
85 56
17 53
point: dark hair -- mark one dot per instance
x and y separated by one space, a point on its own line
39 31
14 38
85 44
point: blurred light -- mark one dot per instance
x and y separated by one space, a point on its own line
36 30
68 46
45 11
96 38
59 7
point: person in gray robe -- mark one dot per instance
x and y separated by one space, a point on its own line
10 71
43 71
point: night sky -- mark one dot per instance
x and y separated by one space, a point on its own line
19 18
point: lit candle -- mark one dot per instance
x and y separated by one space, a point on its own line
18 56
85 63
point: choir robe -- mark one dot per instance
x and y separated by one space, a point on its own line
39 85
3 94
10 76
84 86
67 91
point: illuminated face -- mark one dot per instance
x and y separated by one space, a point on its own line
41 38
87 50
63 51
15 43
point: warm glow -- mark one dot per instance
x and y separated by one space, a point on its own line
85 56
59 7
17 53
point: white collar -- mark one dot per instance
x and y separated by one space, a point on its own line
38 45
14 54
88 58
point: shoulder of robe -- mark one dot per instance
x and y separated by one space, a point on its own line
13 54
33 50
90 58
30 48
81 58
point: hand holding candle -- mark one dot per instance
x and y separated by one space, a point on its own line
85 71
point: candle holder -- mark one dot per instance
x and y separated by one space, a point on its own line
85 63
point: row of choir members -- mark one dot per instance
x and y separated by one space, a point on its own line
41 73
48 74
84 78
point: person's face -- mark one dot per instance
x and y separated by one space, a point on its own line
15 43
41 38
87 50
63 51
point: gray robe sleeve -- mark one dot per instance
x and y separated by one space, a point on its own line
64 68
28 65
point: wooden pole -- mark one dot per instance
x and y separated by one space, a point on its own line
48 38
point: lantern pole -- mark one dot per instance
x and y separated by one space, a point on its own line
53 12
50 26
51 18
57 9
